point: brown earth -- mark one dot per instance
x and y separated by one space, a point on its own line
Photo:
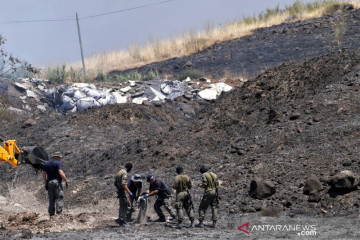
292 121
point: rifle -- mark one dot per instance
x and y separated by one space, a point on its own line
190 199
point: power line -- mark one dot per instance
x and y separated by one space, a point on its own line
63 19
128 9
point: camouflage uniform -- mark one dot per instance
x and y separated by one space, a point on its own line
125 206
182 185
210 180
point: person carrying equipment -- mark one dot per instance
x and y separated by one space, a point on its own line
158 188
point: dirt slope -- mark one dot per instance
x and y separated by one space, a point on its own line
292 121
267 47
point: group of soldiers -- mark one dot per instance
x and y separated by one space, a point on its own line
129 190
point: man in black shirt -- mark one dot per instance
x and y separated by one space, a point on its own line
52 176
158 187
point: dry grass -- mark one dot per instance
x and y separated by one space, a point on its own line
191 42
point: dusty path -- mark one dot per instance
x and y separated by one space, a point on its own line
296 227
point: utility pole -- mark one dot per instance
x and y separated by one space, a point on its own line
81 49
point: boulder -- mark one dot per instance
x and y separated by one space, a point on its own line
261 189
208 94
345 181
313 183
314 196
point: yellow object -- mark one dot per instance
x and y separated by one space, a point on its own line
9 153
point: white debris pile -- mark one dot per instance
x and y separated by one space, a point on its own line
36 94
78 97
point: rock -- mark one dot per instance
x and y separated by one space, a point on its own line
313 183
314 196
165 88
257 206
188 64
125 89
132 83
139 100
348 7
41 87
261 189
26 234
157 103
137 94
208 94
158 94
16 110
269 211
119 98
344 181
30 93
147 103
20 87
28 123
42 108
294 116
221 87
347 162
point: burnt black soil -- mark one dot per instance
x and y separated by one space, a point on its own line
266 47
291 121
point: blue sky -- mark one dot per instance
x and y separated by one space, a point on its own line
48 42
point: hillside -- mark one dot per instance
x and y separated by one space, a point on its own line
295 121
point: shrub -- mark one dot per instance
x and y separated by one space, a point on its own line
101 76
57 74
192 74
151 75
10 64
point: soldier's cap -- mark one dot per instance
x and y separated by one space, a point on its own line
149 177
57 154
136 178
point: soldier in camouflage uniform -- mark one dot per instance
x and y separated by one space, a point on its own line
182 184
124 193
210 197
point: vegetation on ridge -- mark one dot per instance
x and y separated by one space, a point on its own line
190 42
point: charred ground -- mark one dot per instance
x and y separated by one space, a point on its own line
290 122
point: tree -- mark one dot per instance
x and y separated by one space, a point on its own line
9 63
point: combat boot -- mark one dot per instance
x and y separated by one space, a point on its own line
179 225
191 224
214 224
160 219
200 225
122 224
